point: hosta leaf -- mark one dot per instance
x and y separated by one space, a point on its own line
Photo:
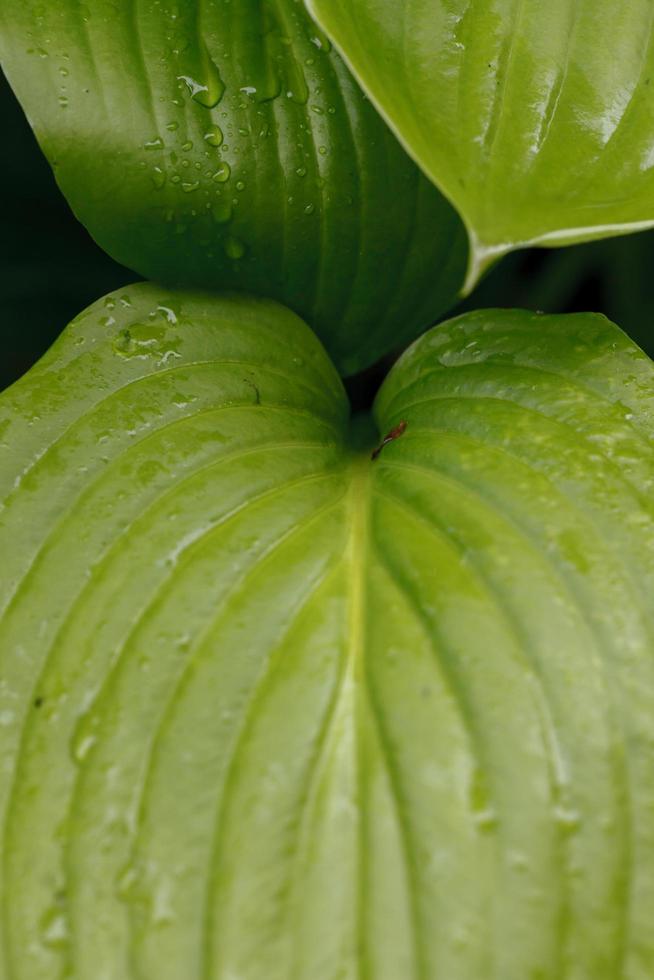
225 144
271 709
536 119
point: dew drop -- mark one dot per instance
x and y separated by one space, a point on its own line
145 475
486 820
126 883
188 145
214 136
567 819
54 929
138 340
154 144
223 173
222 212
518 862
84 738
208 90
309 209
189 186
320 40
158 178
162 901
234 248
172 126
148 339
240 186
167 313
483 812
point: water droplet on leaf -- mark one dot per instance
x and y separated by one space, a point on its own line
158 178
223 173
234 248
222 212
320 40
84 738
209 89
54 929
214 136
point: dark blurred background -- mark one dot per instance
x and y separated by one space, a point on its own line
50 268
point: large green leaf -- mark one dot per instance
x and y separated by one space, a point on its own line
535 119
224 144
271 709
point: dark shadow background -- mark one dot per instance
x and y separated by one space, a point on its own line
50 268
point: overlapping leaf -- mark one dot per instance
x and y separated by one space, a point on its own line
536 119
273 710
224 144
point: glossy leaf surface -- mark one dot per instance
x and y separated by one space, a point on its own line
536 119
225 144
271 709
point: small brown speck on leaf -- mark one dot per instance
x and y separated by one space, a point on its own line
394 434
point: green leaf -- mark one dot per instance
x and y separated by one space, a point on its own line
225 144
273 710
535 119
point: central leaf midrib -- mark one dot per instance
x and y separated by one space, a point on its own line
353 683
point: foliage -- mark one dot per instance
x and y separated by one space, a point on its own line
534 119
229 147
288 691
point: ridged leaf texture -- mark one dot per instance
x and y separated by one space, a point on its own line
271 709
224 144
536 119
